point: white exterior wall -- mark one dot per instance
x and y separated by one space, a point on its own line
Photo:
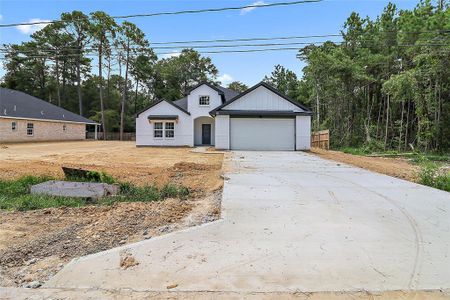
303 132
198 129
202 111
261 99
222 132
183 128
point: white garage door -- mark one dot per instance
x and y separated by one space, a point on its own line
262 134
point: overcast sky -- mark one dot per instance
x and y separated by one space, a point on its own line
326 17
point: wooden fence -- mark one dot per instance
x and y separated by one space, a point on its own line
112 136
321 139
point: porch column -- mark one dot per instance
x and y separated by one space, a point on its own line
95 132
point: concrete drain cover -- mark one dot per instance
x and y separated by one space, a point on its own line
75 189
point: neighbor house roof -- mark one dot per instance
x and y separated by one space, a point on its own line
16 104
269 87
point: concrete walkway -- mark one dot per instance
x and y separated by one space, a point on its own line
292 222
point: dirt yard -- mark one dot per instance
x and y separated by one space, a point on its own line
34 245
396 167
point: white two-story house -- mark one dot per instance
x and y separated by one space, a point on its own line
260 118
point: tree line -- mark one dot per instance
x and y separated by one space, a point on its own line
387 85
103 70
384 85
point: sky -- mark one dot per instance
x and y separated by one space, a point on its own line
326 17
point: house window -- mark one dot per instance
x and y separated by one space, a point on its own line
203 100
30 129
64 127
13 126
158 130
169 129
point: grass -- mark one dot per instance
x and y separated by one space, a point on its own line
416 157
14 194
432 165
432 175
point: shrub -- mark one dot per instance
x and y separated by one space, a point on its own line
431 175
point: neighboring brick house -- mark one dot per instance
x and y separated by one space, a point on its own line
24 118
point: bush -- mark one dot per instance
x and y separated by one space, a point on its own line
431 175
93 176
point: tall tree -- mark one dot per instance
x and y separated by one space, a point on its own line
283 80
237 86
102 30
132 41
76 25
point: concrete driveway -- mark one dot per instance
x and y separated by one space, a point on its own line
292 222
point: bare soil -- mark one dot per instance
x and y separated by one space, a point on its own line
396 167
34 245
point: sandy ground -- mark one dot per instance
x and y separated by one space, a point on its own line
34 245
86 294
395 167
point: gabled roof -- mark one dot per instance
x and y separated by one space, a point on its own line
16 104
159 101
269 87
225 93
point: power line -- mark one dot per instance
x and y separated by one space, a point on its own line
215 52
221 40
205 10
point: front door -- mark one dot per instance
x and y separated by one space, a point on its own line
206 134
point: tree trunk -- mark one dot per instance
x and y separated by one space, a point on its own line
317 106
124 93
58 92
102 107
401 127
407 124
136 96
80 96
387 123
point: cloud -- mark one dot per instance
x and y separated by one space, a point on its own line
29 29
172 54
249 9
225 78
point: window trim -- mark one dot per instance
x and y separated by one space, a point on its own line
159 130
169 130
30 128
14 126
200 98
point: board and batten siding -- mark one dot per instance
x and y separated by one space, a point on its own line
261 99
197 110
183 128
302 132
42 131
222 132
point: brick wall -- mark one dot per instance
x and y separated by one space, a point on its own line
43 131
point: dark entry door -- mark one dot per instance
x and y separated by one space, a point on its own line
206 134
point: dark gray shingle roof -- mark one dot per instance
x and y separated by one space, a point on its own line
228 93
181 103
20 105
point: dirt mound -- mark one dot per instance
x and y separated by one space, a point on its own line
186 166
66 233
396 167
